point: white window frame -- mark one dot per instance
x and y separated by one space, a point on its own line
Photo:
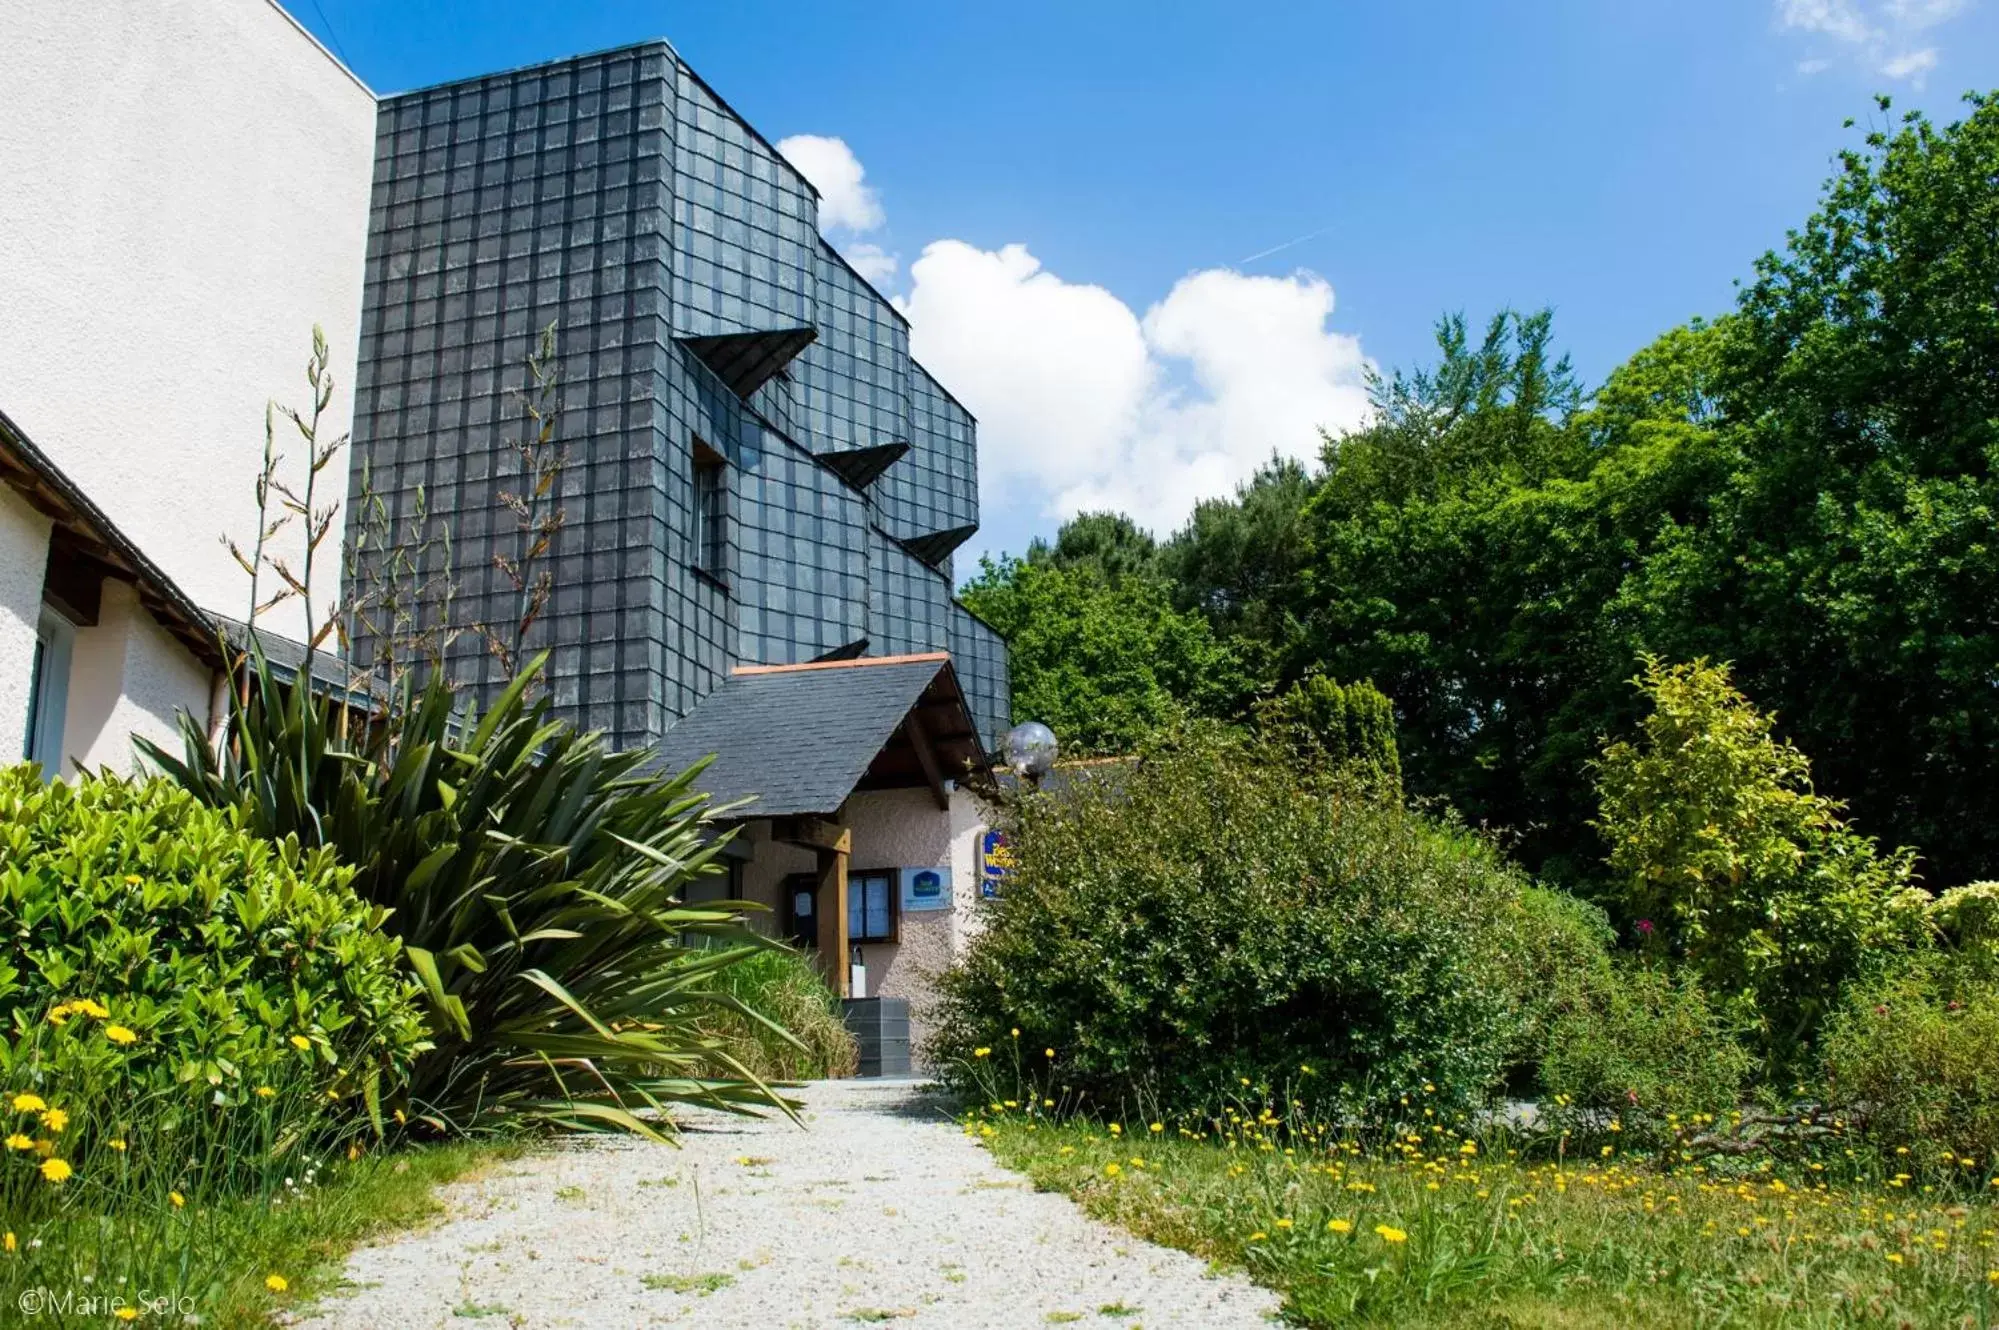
48 692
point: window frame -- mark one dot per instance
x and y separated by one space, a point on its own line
48 692
856 899
709 538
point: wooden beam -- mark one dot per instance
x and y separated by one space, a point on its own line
926 757
830 907
814 833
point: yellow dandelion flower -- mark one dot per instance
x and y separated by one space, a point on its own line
55 1170
1895 1257
117 1143
276 1283
982 1052
1157 1127
118 1034
265 1092
19 1142
28 1103
133 879
1112 1170
1283 1223
178 1199
1117 1129
60 1013
10 1242
1389 1233
301 1043
91 1007
1048 1052
1016 1032
1339 1225
55 1120
127 1313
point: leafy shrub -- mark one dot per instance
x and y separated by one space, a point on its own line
1729 858
1335 725
169 981
1966 921
535 879
1211 917
782 988
1551 946
1914 1059
1642 1044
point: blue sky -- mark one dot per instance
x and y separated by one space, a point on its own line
1067 197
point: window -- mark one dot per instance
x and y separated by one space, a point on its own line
871 906
711 512
48 693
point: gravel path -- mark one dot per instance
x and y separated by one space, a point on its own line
880 1211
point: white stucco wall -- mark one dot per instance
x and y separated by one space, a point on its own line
186 194
127 676
24 556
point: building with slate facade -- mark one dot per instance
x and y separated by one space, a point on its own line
757 472
761 493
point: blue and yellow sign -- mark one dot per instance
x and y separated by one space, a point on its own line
995 863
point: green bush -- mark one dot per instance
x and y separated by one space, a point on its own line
1729 859
1551 944
535 878
169 982
1643 1045
1913 1059
789 1028
1338 726
1213 917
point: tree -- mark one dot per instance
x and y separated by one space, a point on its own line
1102 661
1726 856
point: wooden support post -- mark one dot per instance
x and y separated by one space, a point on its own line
830 905
926 758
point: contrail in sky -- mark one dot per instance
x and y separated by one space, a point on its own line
1276 249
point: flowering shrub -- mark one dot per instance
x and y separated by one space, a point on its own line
160 968
1914 1059
1210 920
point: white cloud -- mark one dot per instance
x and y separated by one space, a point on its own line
846 201
1882 35
1912 64
871 261
1084 404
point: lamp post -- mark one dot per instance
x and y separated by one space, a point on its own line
1030 750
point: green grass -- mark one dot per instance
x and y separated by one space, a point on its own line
1495 1242
213 1258
700 1285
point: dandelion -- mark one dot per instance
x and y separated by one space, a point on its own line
178 1199
1283 1223
55 1170
265 1092
1048 1052
1339 1225
118 1034
127 1313
13 1244
1116 1129
28 1103
1259 1236
55 1120
1111 1170
91 1007
117 1143
1157 1127
301 1043
1016 1032
276 1283
982 1052
1895 1257
1389 1233
19 1142
133 879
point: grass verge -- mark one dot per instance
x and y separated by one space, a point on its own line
1438 1232
232 1263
